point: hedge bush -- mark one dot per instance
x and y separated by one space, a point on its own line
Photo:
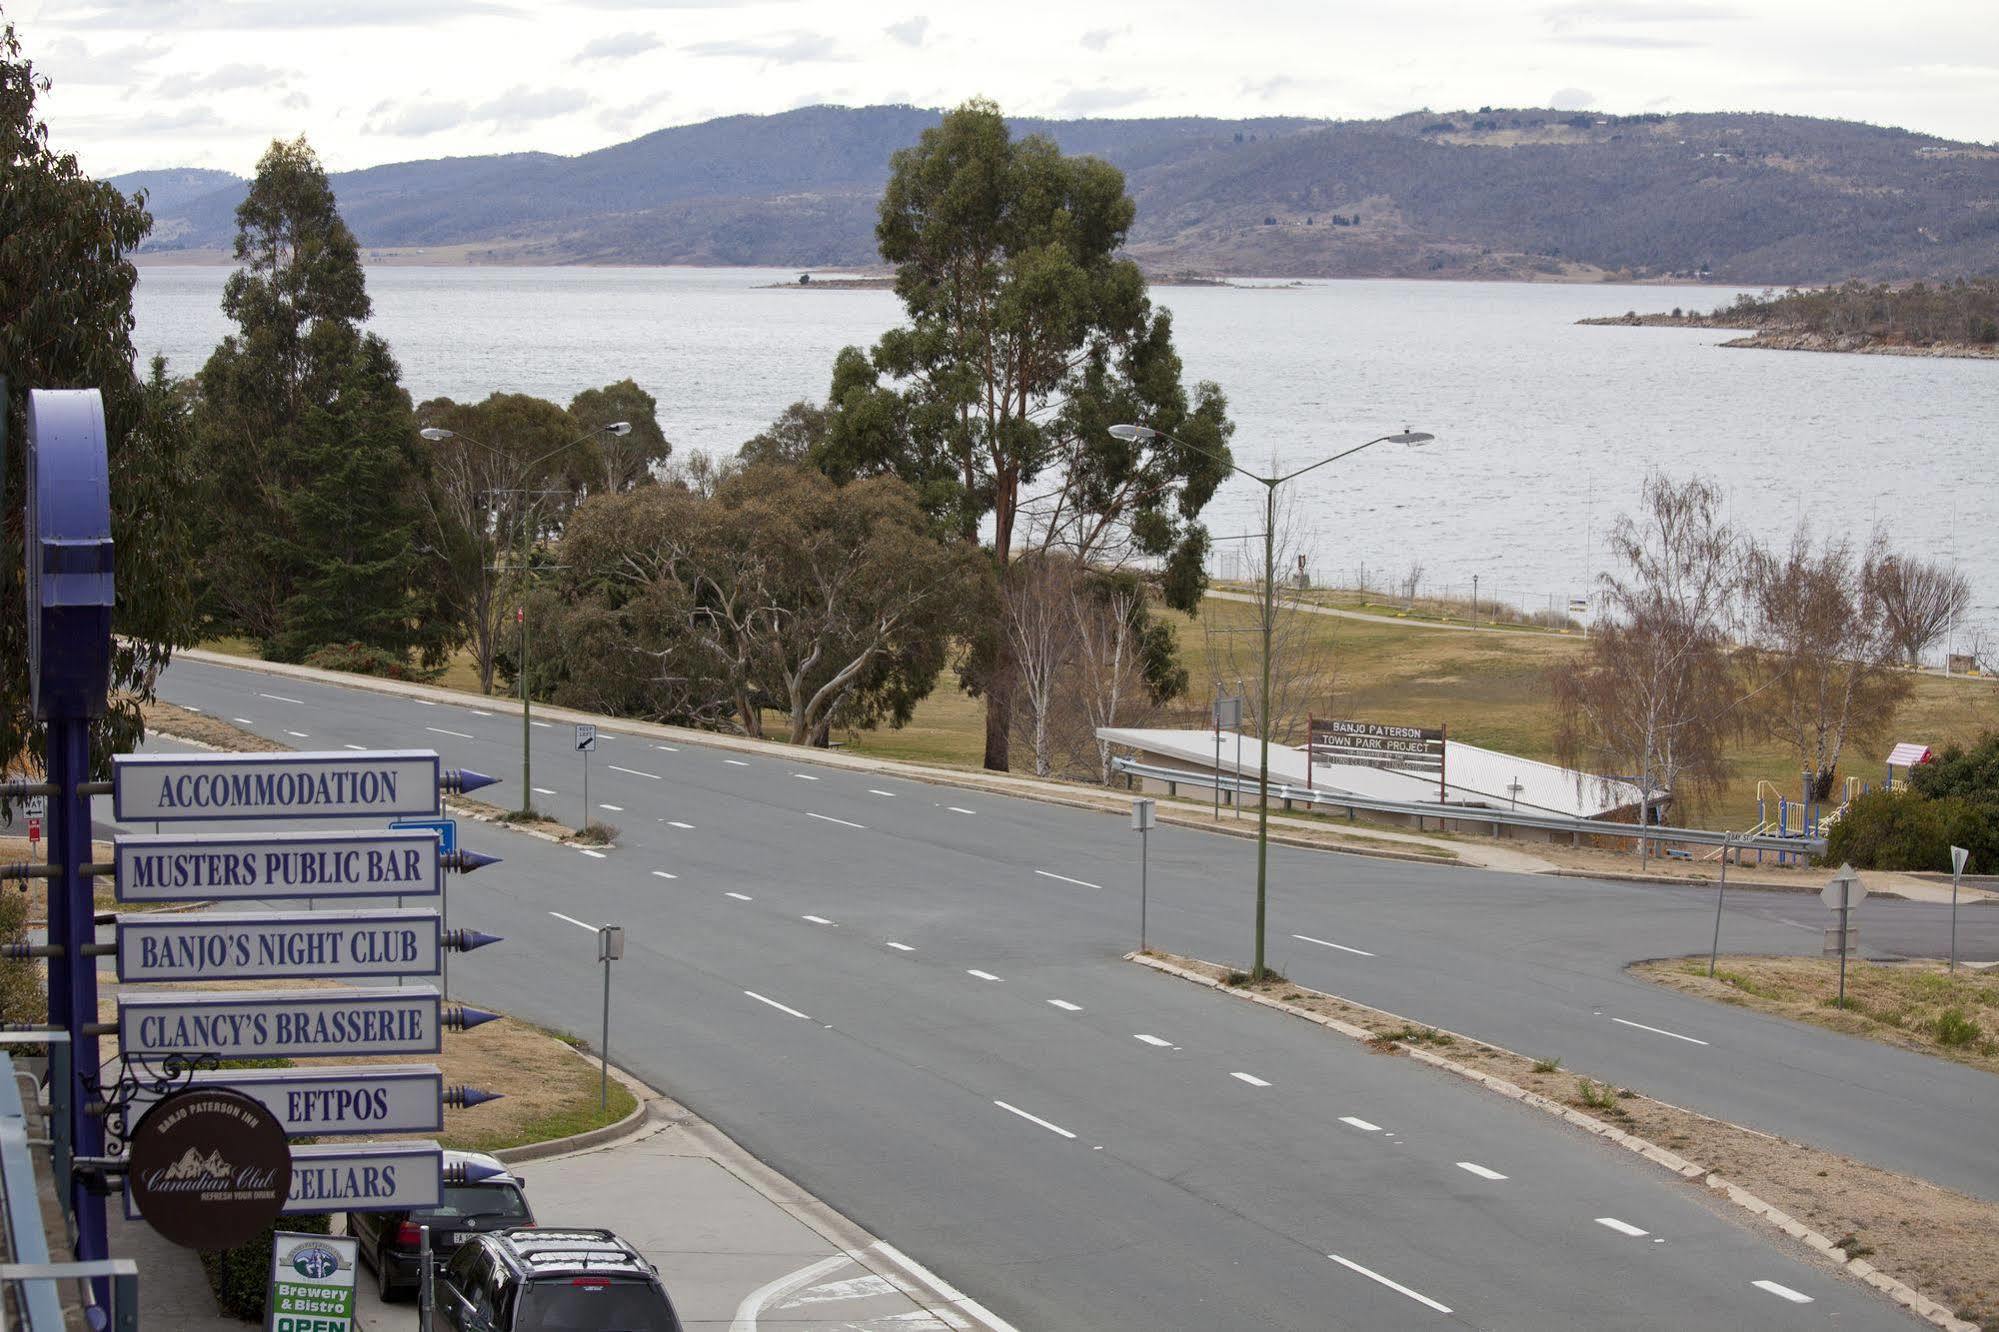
360 659
1905 830
241 1277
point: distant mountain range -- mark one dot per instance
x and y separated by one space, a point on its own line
1740 198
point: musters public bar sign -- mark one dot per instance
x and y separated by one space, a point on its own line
209 1168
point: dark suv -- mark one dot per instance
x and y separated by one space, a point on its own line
550 1279
389 1240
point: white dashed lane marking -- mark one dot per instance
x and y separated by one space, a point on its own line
1250 1078
1066 1006
889 794
594 855
899 947
805 777
441 731
282 699
1659 1031
615 809
573 921
982 975
1080 883
828 818
543 790
1783 1292
960 809
1479 1170
662 874
1151 1040
1621 1227
817 920
740 897
1354 1121
634 772
782 1008
1328 943
671 749
245 721
1395 1286
299 734
735 763
359 747
676 823
1034 1119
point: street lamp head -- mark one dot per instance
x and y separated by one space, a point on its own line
1411 437
618 428
1133 432
435 433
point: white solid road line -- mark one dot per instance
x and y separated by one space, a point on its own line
817 920
1660 1031
1034 1119
676 823
1328 943
662 874
899 947
740 897
1066 1006
782 1008
950 1292
1621 1227
1356 1121
1784 1292
735 763
960 809
634 772
282 699
441 731
982 975
828 818
1080 883
757 1300
300 734
889 794
1250 1078
1151 1040
573 921
1480 1170
1395 1286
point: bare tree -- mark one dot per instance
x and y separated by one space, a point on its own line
1107 681
1411 581
1653 698
1303 675
1823 650
1037 611
1920 603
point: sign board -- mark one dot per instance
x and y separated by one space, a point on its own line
1228 713
446 830
1144 815
208 1168
263 867
170 788
279 945
1958 855
312 1283
265 1024
387 1098
586 736
610 943
354 1177
1403 748
1843 889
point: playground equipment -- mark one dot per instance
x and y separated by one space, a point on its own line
1777 815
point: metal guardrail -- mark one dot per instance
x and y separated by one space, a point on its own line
36 1305
38 1280
1514 818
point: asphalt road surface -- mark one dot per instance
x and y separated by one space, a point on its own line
909 998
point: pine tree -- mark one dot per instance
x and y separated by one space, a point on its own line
309 442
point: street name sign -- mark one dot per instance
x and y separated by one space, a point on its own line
386 1098
265 1024
312 1283
281 945
166 788
210 867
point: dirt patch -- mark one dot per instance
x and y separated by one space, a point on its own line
1941 1243
1917 1005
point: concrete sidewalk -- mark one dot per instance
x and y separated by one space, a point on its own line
738 1246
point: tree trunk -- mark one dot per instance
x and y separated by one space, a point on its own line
999 713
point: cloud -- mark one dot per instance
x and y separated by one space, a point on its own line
520 106
910 31
618 46
1089 101
1096 39
787 48
224 78
1626 41
68 60
1572 99
415 119
225 14
621 118
296 101
1636 11
1267 88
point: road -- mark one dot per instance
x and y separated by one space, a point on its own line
909 999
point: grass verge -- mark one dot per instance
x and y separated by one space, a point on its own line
1915 1005
1942 1243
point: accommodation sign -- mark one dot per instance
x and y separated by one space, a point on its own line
282 945
264 1024
1377 744
211 867
165 788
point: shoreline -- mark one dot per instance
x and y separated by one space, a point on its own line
1795 339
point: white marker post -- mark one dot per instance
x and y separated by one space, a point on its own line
586 740
1958 855
610 947
1144 815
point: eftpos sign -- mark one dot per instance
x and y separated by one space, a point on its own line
214 867
343 1098
169 788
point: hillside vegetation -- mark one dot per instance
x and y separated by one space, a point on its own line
1760 199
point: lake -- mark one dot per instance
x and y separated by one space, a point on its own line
1545 429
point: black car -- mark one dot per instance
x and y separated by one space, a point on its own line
550 1279
389 1240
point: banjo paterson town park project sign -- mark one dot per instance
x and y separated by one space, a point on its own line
205 1153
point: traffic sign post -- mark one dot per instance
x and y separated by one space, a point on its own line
1843 893
1958 855
586 743
610 947
1144 816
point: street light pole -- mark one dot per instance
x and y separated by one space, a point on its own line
1270 485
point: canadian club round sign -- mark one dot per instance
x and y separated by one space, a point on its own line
209 1168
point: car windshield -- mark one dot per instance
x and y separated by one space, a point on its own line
593 1304
465 1201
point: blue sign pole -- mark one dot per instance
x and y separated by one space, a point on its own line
69 585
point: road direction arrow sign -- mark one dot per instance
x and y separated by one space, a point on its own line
586 736
385 1098
169 788
265 1024
210 867
285 945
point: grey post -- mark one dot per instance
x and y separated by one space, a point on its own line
1958 855
443 923
426 1292
586 740
1144 814
610 947
1721 890
1218 764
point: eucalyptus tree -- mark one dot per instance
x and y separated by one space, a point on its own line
1028 337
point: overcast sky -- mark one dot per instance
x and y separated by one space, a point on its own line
154 83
